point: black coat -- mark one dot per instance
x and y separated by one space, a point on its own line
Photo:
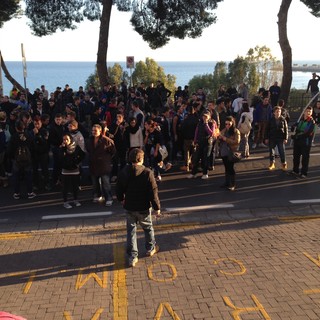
277 129
138 188
71 160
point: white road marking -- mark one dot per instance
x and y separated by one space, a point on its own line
305 201
198 208
77 215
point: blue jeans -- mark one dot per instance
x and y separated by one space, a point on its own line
101 186
144 218
273 143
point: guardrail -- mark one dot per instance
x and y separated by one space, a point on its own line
296 103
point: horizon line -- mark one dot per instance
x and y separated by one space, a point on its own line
124 61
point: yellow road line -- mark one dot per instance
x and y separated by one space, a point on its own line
120 293
13 236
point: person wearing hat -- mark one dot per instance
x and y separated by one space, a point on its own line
137 190
313 85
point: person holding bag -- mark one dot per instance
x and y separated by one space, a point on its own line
229 142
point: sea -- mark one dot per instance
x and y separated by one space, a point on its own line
58 74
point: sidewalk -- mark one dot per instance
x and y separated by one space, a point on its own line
265 269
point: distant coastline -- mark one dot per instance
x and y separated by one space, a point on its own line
59 73
306 68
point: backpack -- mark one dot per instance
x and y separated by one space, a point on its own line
23 157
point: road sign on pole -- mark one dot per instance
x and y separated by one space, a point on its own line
130 65
130 62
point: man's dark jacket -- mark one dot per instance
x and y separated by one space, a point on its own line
138 188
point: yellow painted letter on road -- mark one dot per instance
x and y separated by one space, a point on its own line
29 283
81 282
168 266
311 291
315 261
234 261
237 311
169 309
96 316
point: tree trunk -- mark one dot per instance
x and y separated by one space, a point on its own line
102 68
285 49
8 75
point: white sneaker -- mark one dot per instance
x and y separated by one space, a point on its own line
204 176
254 146
67 205
191 176
109 203
98 199
77 203
133 261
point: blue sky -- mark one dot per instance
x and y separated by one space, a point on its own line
241 25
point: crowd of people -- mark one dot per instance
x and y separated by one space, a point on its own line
68 128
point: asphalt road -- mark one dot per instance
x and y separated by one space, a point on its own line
257 187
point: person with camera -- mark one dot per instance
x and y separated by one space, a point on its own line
302 141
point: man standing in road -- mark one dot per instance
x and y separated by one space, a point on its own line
138 191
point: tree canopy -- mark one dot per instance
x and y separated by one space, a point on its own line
8 10
155 20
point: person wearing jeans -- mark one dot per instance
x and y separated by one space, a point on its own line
137 190
277 136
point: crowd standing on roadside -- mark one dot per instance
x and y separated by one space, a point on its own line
100 127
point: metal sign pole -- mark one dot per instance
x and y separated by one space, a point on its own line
24 64
1 83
